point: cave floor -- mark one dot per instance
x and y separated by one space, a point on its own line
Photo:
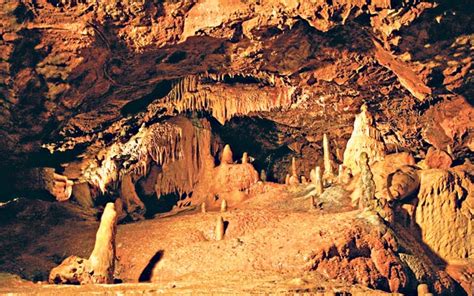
268 247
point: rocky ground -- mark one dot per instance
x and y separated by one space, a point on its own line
273 242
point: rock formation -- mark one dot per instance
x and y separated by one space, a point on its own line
102 259
437 159
444 211
131 202
366 184
365 138
99 268
328 169
396 176
219 228
139 103
223 206
226 157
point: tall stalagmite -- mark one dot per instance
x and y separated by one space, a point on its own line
365 138
328 170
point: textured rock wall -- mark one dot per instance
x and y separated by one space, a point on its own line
444 211
86 73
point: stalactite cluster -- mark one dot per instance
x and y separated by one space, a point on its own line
159 143
193 93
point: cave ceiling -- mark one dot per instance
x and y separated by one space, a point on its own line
78 76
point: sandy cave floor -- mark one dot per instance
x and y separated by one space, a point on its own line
268 245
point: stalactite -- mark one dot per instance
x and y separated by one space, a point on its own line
159 143
198 148
191 94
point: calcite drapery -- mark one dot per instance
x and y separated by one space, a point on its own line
159 143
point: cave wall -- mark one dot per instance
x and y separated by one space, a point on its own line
78 76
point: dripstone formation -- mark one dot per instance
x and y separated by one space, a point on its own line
232 146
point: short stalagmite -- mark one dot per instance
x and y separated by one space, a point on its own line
223 205
293 167
340 173
227 156
245 158
422 289
219 228
318 181
263 176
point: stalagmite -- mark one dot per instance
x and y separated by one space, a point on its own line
366 189
293 180
422 289
203 207
339 154
293 167
328 173
102 259
340 173
227 157
219 228
263 176
287 179
99 268
303 180
245 158
311 200
364 138
318 181
223 205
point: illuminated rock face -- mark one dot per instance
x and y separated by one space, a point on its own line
444 211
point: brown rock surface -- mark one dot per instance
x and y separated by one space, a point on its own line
437 159
444 211
132 102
